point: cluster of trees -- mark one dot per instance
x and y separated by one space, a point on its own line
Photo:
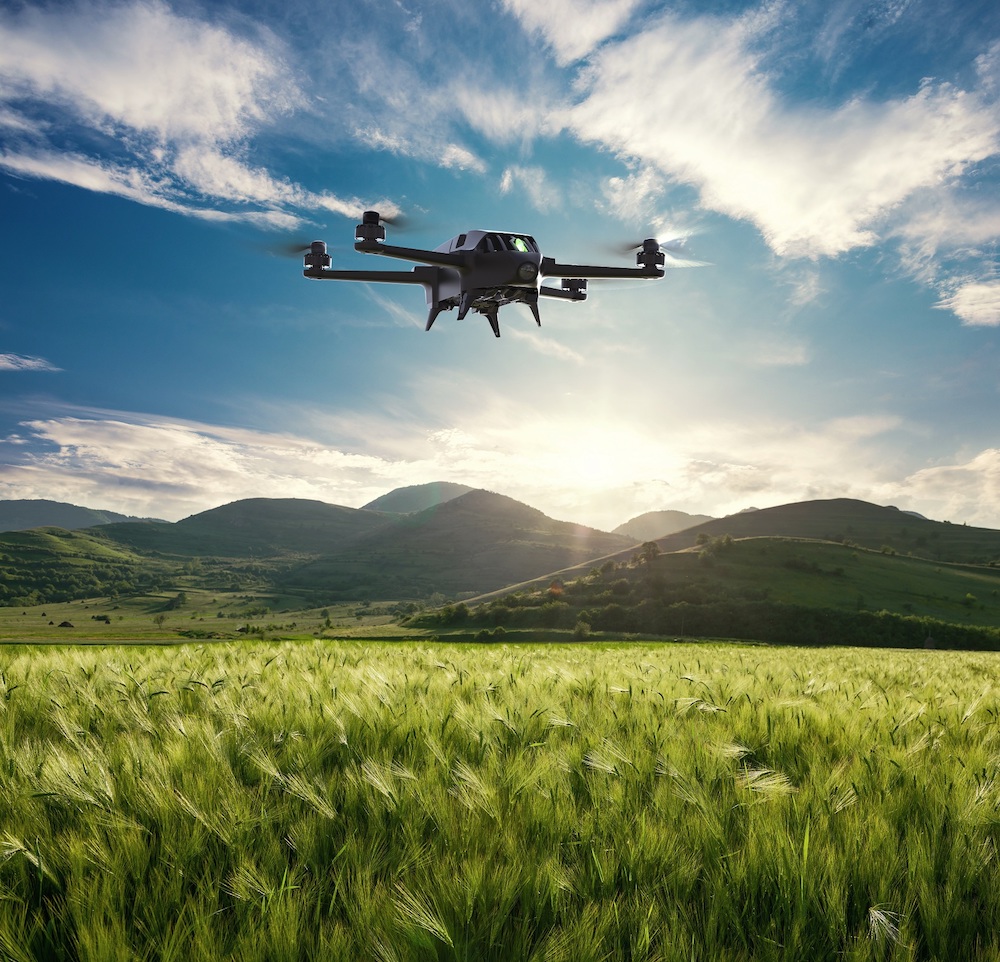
22 585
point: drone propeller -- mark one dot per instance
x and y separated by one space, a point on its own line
675 248
400 222
295 247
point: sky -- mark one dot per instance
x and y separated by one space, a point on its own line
833 164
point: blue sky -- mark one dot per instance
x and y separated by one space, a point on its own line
836 164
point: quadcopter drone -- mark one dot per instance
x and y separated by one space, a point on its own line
479 270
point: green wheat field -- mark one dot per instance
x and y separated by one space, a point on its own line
422 801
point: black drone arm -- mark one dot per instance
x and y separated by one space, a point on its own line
419 275
549 268
459 262
576 292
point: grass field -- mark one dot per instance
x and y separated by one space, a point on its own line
163 618
342 800
824 574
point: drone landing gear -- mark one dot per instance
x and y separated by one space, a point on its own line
432 315
531 299
488 310
465 303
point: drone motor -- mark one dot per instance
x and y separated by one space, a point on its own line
317 256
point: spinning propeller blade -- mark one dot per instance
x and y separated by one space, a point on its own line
675 248
294 247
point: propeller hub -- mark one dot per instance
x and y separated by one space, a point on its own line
370 231
317 256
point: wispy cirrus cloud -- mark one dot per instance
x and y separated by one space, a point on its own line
22 362
158 108
533 183
417 144
976 302
573 28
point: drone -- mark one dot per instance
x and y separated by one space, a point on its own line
480 270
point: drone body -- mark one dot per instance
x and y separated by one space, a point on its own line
479 270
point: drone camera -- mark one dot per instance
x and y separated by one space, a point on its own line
317 256
650 255
370 231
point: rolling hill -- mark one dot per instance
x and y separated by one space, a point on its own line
472 543
21 515
252 528
320 552
848 521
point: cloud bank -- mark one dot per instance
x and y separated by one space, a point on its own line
556 461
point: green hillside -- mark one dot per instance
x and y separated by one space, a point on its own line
476 542
52 564
316 552
256 527
821 574
853 522
23 514
830 556
771 589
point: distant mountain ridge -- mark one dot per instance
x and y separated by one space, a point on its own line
476 543
658 524
24 514
418 497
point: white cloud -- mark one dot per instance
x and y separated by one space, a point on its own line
142 67
633 198
15 121
418 144
692 98
140 185
101 177
976 302
533 183
503 115
179 97
454 155
967 491
171 468
573 28
21 362
803 281
548 346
